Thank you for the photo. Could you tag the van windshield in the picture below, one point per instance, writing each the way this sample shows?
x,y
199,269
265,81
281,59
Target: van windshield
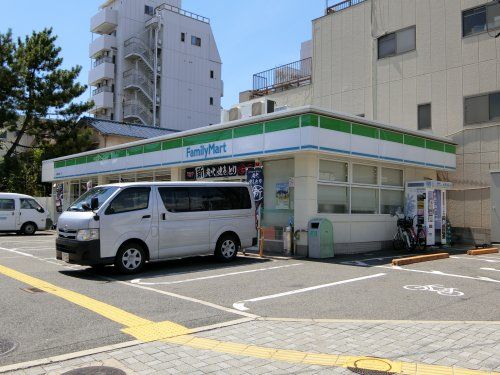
x,y
101,192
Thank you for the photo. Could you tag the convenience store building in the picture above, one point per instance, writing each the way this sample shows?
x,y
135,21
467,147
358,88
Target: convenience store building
x,y
315,162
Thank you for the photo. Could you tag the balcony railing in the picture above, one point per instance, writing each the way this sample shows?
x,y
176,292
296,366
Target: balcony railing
x,y
135,46
182,12
341,5
135,109
134,78
102,89
102,60
295,74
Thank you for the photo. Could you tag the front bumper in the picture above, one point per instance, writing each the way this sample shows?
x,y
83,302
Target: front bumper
x,y
85,253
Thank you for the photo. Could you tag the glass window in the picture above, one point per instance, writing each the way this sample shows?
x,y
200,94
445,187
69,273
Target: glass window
x,y
333,171
391,201
333,199
364,174
473,21
424,117
30,204
175,199
131,199
476,109
101,192
195,41
392,177
364,201
183,37
211,100
211,74
405,40
198,199
387,45
495,105
229,198
7,205
149,10
493,16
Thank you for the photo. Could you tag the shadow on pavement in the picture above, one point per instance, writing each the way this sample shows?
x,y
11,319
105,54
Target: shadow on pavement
x,y
166,268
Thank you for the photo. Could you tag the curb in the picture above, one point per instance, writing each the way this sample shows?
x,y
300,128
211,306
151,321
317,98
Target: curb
x,y
489,250
419,258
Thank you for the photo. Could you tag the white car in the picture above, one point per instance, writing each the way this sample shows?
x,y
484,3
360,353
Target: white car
x,y
22,213
128,224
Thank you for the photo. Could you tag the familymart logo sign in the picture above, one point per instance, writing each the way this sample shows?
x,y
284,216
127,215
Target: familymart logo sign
x,y
207,151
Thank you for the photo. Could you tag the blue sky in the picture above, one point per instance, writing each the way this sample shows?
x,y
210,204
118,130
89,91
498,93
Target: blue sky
x,y
251,35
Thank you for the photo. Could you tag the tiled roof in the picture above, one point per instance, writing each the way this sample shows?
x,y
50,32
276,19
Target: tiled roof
x,y
108,127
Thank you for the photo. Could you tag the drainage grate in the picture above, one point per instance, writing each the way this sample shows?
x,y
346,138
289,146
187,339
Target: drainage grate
x,y
33,290
96,370
371,366
6,346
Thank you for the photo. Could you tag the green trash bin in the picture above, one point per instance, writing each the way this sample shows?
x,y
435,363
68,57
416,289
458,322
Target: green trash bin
x,y
320,238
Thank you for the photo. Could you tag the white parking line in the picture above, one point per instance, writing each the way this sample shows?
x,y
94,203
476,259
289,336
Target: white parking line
x,y
138,281
490,269
489,260
480,278
241,304
46,260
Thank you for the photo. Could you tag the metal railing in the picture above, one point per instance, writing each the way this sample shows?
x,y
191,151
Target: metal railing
x,y
136,109
341,5
297,73
135,46
182,12
134,78
102,60
101,89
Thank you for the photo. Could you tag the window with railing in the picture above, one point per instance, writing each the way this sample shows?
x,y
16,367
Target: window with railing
x,y
283,77
102,60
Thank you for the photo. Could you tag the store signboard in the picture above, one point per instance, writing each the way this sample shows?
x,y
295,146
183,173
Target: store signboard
x,y
217,171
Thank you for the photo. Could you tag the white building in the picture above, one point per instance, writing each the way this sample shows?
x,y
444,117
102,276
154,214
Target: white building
x,y
430,65
154,63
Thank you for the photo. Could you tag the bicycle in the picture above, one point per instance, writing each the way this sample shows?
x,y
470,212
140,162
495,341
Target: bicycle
x,y
406,238
439,289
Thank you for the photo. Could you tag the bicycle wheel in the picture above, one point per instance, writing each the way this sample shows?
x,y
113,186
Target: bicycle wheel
x,y
407,241
451,293
398,242
416,287
421,243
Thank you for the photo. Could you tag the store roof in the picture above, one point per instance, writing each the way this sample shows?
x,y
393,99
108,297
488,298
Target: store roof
x,y
124,129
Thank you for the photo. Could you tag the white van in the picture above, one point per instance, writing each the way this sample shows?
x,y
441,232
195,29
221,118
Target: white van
x,y
127,224
22,213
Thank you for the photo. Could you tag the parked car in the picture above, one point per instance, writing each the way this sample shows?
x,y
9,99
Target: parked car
x,y
128,224
23,214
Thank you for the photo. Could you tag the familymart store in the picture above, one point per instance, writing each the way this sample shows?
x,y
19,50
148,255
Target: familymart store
x,y
305,163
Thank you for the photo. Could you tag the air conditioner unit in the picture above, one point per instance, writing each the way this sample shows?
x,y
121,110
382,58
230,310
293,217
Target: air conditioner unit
x,y
234,114
263,107
280,108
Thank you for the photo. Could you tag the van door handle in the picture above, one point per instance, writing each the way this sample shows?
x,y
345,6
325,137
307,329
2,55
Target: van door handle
x,y
163,216
146,217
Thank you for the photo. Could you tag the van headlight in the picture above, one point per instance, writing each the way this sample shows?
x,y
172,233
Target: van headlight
x,y
87,234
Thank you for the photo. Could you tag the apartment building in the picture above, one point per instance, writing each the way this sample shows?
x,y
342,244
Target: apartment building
x,y
155,64
429,65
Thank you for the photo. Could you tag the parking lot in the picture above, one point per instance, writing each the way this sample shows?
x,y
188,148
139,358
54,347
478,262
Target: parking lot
x,y
201,292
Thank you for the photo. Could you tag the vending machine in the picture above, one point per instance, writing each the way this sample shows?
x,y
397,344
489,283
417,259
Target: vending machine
x,y
425,201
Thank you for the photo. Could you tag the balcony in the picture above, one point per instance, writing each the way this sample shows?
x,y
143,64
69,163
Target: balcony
x,y
103,43
102,97
104,22
337,7
103,69
285,77
134,79
134,110
136,48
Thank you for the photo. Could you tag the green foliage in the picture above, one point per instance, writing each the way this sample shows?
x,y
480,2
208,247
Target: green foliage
x,y
34,87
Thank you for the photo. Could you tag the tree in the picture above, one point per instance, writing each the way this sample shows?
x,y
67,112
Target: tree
x,y
43,88
8,81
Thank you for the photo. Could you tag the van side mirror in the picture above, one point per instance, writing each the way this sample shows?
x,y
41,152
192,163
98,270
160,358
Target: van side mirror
x,y
41,210
94,203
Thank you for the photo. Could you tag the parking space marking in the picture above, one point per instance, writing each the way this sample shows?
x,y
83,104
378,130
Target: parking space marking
x,y
46,260
490,269
439,289
489,260
480,278
138,281
240,305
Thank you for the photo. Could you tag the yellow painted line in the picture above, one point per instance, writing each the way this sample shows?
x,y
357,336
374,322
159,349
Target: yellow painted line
x,y
172,333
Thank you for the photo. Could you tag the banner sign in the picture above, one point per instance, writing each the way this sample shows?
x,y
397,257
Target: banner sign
x,y
255,177
219,170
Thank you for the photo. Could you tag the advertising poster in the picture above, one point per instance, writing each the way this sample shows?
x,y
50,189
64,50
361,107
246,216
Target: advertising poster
x,y
282,196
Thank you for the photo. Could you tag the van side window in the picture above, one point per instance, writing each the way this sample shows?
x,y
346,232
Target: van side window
x,y
229,198
7,205
131,199
175,199
198,199
27,203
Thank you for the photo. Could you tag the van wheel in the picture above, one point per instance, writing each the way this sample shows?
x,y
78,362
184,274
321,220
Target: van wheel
x,y
130,258
28,229
227,247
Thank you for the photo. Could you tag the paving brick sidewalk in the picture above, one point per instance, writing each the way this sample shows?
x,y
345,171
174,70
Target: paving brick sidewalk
x,y
474,346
